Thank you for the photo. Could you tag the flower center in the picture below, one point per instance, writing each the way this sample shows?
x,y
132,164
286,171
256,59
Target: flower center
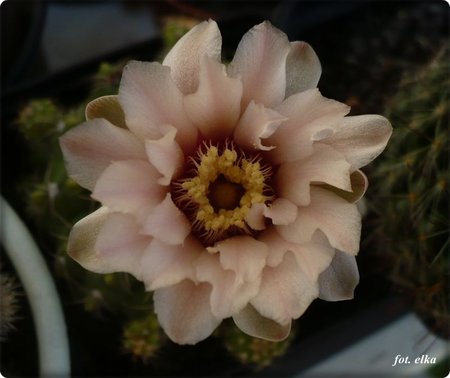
x,y
224,194
222,187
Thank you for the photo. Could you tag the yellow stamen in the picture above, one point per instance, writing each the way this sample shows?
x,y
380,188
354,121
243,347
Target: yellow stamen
x,y
224,189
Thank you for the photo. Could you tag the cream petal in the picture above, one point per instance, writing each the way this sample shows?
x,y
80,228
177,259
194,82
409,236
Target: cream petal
x,y
166,156
151,102
184,58
165,265
339,281
339,220
260,62
285,292
167,223
254,324
129,186
361,138
184,312
107,107
215,107
311,117
120,246
303,68
359,185
230,293
90,147
257,123
325,165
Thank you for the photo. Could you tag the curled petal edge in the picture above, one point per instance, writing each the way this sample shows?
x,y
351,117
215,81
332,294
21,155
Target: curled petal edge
x,y
107,107
359,185
82,240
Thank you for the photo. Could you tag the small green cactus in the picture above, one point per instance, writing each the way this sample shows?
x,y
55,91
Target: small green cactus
x,y
143,337
412,192
39,119
252,351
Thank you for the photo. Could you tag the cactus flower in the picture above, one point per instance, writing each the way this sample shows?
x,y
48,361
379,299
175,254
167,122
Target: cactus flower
x,y
228,190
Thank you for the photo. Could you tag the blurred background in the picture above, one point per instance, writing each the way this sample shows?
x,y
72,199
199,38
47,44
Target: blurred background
x,y
389,58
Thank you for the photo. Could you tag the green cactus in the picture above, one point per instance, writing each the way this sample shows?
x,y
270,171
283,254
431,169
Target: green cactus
x,y
252,351
412,192
143,337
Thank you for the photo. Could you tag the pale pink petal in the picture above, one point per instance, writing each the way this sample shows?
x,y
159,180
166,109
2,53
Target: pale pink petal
x,y
254,324
82,238
184,312
281,211
311,117
151,102
242,254
255,217
106,242
129,186
313,256
339,220
257,123
359,184
90,147
165,265
166,156
120,246
285,292
339,281
303,68
107,107
324,166
230,293
184,58
234,272
167,223
215,107
277,246
260,61
361,138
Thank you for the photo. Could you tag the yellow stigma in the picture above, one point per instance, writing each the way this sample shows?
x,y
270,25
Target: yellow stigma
x,y
224,189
